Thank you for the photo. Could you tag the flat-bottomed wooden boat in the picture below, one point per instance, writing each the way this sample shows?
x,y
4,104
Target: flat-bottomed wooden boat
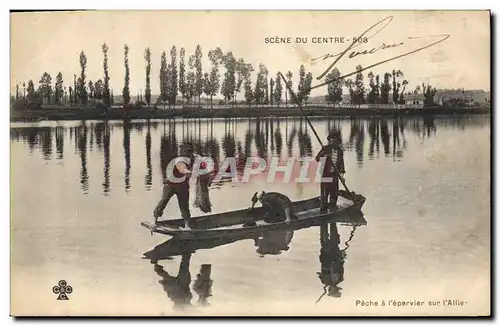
x,y
307,214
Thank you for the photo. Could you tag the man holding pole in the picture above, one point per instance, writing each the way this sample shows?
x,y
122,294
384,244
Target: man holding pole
x,y
333,153
333,169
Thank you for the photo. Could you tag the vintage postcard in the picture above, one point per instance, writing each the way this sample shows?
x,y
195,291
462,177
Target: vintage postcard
x,y
250,163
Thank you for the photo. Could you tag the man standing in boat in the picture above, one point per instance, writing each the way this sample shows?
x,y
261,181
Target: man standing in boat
x,y
177,183
332,170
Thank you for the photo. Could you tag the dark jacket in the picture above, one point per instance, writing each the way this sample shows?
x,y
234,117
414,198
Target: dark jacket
x,y
274,204
332,154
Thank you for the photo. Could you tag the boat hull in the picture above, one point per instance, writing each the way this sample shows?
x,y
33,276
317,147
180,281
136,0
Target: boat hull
x,y
231,223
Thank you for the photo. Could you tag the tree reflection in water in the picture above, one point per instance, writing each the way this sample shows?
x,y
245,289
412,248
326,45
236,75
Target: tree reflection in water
x,y
127,126
148,179
265,135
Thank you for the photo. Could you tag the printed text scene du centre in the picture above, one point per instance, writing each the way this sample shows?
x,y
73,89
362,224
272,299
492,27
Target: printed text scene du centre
x,y
313,39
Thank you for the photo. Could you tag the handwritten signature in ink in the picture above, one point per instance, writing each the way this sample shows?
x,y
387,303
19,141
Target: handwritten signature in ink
x,y
372,31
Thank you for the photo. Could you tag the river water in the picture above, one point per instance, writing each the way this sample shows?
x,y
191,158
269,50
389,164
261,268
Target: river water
x,y
81,189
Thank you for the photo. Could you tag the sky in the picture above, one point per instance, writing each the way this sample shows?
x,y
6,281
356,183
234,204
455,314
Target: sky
x,y
52,41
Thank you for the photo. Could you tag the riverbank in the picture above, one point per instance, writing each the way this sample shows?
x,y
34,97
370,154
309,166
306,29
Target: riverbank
x,y
90,113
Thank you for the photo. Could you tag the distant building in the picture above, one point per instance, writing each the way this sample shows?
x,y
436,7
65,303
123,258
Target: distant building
x,y
391,99
414,100
346,99
456,99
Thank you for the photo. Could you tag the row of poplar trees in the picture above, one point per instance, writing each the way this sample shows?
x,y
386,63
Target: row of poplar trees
x,y
188,79
81,91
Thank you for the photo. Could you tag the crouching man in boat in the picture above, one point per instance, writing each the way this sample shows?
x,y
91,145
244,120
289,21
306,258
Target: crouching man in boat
x,y
173,186
332,170
277,207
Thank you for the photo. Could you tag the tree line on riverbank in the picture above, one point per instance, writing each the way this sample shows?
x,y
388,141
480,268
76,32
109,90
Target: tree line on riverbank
x,y
227,75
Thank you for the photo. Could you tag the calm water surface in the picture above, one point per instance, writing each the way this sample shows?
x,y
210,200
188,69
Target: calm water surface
x,y
81,189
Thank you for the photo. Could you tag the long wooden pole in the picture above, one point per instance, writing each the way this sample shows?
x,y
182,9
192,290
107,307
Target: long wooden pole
x,y
292,93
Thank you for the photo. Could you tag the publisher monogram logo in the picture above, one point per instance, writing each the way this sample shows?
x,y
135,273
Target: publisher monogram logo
x,y
62,289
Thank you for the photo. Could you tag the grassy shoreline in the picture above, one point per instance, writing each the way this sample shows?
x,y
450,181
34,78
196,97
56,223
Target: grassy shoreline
x,y
90,113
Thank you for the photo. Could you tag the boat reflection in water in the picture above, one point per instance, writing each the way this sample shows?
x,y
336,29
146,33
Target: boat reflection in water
x,y
273,242
178,288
